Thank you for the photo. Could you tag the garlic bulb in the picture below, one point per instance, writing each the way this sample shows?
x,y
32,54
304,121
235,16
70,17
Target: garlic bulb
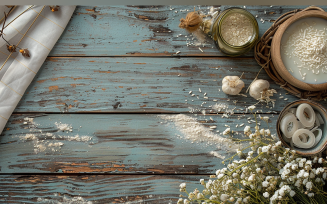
x,y
258,88
232,85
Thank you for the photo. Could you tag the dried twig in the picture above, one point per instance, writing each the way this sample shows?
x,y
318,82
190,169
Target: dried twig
x,y
26,54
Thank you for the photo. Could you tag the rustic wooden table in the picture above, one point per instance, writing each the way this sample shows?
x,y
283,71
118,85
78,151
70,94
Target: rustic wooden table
x,y
110,77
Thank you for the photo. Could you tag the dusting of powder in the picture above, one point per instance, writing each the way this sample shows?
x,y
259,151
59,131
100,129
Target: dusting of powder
x,y
196,132
64,127
42,141
64,200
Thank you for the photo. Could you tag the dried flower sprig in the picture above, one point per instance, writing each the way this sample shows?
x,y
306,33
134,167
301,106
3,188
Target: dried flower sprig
x,y
25,52
11,47
269,173
54,8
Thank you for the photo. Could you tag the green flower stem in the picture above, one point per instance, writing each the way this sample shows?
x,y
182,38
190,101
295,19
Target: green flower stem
x,y
273,166
245,164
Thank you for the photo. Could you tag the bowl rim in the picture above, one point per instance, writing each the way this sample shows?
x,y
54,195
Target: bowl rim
x,y
278,131
276,54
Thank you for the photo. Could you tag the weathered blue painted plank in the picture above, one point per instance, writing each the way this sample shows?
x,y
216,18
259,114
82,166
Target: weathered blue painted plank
x,y
89,189
114,143
139,85
142,31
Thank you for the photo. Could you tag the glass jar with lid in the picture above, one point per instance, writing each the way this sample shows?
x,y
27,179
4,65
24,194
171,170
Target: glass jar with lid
x,y
235,31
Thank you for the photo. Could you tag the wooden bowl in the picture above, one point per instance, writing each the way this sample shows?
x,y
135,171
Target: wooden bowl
x,y
276,55
322,143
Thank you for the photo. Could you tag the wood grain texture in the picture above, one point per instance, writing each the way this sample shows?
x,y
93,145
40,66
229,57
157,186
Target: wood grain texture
x,y
142,31
139,85
114,143
111,65
89,189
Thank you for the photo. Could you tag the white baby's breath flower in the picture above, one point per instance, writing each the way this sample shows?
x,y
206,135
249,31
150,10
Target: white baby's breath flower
x,y
292,193
213,197
200,196
247,130
306,175
186,201
202,181
267,132
265,148
182,185
251,178
294,166
266,195
265,118
223,197
265,184
311,194
262,132
308,185
251,108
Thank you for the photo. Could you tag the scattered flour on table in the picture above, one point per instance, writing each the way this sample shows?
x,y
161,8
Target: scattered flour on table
x,y
64,127
64,200
41,141
196,132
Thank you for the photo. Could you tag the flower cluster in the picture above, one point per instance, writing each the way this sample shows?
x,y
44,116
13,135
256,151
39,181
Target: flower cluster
x,y
268,173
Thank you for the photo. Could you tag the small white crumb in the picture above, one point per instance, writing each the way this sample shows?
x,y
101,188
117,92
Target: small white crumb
x,y
178,52
200,90
190,92
200,49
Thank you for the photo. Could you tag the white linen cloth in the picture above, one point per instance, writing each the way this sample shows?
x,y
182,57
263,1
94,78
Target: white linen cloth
x,y
19,71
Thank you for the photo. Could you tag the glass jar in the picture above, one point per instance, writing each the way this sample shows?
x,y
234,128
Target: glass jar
x,y
235,31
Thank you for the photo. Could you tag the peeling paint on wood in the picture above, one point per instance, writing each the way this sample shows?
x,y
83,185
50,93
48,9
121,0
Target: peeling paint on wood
x,y
151,84
150,189
119,26
118,143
